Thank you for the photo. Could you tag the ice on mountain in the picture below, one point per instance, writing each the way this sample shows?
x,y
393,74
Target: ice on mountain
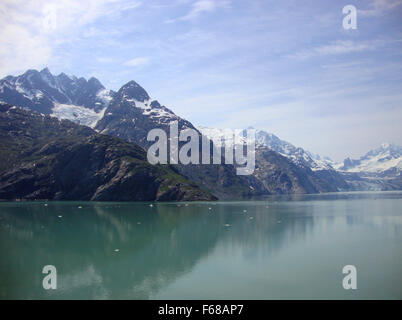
x,y
78,114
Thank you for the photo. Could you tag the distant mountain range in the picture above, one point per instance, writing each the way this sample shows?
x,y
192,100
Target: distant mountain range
x,y
379,169
130,113
297,155
386,157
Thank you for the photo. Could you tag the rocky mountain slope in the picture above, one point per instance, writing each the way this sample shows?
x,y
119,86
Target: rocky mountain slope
x,y
132,114
42,157
283,168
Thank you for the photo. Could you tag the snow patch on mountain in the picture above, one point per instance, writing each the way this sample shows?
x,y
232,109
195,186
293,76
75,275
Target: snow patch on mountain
x,y
139,104
48,78
298,156
77,114
152,109
105,96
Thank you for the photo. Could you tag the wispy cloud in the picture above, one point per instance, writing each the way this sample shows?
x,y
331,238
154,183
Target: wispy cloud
x,y
336,47
200,7
30,29
379,7
136,62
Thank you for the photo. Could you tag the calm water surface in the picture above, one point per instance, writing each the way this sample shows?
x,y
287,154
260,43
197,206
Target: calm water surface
x,y
276,248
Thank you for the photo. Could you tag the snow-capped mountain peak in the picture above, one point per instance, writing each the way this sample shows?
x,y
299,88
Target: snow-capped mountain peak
x,y
378,160
133,96
62,96
132,90
80,100
298,156
386,149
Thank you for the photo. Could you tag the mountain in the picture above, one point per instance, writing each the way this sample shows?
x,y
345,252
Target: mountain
x,y
283,168
83,101
42,157
386,157
378,169
130,113
298,156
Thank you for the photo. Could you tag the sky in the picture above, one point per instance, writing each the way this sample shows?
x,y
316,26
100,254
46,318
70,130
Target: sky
x,y
288,67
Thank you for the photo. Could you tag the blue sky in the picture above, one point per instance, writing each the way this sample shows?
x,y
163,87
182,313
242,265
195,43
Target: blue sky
x,y
285,66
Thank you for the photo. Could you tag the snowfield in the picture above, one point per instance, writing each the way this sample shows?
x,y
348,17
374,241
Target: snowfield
x,y
298,156
77,114
376,161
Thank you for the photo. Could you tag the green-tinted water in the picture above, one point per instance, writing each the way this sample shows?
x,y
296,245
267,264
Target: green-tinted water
x,y
289,247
